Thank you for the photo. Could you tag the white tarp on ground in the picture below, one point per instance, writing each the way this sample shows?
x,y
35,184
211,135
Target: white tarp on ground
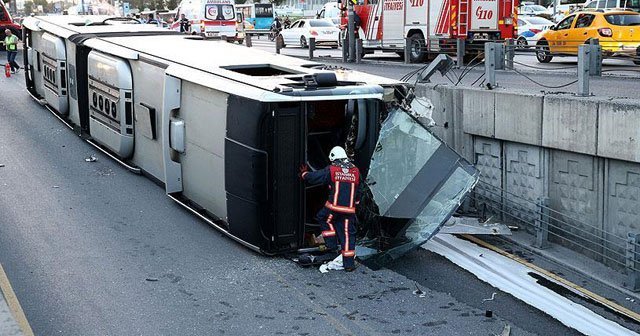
x,y
513,278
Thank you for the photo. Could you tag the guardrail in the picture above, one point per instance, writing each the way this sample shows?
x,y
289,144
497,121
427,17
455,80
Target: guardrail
x,y
549,224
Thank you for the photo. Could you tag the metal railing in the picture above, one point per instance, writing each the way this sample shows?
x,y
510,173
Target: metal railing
x,y
551,225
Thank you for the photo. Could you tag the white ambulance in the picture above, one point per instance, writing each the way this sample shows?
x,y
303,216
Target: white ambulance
x,y
209,18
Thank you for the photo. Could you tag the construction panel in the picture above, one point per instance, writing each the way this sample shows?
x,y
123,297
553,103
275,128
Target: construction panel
x,y
575,191
525,177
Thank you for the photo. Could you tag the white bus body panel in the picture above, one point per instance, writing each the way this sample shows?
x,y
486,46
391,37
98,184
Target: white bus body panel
x,y
147,108
110,100
204,112
54,72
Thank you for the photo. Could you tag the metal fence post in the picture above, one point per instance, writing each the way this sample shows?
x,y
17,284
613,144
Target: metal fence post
x,y
510,52
542,224
584,53
460,51
595,64
278,44
312,47
247,40
358,50
407,50
345,50
633,276
490,64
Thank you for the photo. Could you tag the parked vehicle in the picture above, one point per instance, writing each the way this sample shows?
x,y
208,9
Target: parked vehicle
x,y
209,18
259,14
529,27
613,5
431,26
618,33
534,10
223,132
565,8
324,31
6,22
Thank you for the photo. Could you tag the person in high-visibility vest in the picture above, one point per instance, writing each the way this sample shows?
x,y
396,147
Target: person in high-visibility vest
x,y
11,45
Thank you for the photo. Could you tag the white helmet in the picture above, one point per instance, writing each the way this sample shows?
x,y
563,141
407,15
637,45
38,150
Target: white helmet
x,y
337,153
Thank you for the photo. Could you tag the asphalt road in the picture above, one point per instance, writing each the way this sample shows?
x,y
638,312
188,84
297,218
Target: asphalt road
x,y
92,249
620,76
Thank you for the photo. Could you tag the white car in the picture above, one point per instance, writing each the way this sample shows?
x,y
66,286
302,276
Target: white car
x,y
532,10
323,30
529,27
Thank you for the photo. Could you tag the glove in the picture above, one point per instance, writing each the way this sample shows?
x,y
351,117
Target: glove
x,y
303,169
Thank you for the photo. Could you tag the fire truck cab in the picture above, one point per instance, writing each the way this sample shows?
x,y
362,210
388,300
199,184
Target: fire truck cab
x,y
433,26
6,22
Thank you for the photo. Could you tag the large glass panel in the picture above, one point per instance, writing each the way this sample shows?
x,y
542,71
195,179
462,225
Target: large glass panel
x,y
416,183
403,148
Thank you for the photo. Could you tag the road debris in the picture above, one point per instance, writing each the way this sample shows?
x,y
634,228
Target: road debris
x,y
1,165
151,279
488,313
506,331
333,265
419,291
493,296
630,299
91,158
56,187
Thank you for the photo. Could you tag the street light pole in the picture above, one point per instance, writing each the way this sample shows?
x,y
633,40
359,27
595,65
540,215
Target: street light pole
x,y
351,32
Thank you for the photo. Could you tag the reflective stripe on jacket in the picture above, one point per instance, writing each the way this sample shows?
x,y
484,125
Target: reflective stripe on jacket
x,y
11,43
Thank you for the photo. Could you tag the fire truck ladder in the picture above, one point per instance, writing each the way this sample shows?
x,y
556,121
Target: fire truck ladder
x,y
463,19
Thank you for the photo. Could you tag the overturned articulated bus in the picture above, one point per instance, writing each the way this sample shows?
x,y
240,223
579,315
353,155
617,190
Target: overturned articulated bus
x,y
224,129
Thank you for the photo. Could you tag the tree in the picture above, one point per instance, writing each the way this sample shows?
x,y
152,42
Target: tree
x,y
171,4
28,7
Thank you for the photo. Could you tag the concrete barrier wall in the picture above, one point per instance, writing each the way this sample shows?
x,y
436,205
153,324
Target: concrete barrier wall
x,y
582,154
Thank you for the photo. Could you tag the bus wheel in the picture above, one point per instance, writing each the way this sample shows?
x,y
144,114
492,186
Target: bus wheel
x,y
417,48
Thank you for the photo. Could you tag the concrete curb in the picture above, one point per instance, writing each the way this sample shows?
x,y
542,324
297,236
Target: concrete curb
x,y
8,324
13,322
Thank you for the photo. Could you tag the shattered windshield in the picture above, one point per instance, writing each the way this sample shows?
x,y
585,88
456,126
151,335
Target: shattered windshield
x,y
416,183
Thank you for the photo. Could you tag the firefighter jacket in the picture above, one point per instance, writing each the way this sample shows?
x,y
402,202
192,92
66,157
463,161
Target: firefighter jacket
x,y
343,179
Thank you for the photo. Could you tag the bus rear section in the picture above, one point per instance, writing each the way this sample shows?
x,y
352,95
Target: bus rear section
x,y
219,19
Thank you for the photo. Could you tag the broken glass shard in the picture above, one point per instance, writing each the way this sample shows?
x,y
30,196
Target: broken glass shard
x,y
416,183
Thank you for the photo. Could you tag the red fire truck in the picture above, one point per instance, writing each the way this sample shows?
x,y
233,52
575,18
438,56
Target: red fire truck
x,y
433,25
6,22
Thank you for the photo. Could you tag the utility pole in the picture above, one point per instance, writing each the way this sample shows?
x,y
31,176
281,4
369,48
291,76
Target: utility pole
x,y
351,31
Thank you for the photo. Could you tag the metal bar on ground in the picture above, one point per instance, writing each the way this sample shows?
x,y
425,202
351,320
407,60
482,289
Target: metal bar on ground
x,y
633,276
312,47
460,52
510,52
541,225
595,61
584,52
345,50
407,50
490,64
351,30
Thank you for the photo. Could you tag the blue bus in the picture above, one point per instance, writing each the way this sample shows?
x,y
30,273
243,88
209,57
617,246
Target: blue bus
x,y
260,15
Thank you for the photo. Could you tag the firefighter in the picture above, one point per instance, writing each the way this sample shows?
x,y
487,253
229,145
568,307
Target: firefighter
x,y
338,216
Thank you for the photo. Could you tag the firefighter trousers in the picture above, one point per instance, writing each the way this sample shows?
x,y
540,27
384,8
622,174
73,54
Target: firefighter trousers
x,y
337,227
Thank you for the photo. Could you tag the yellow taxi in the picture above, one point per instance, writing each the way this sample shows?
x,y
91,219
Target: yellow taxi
x,y
617,31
